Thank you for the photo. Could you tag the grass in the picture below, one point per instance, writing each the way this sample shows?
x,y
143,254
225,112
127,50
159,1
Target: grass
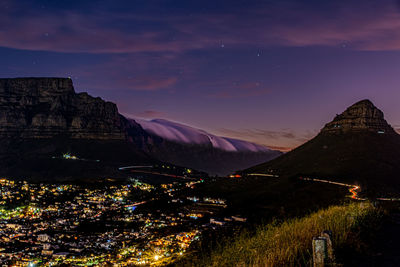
x,y
290,243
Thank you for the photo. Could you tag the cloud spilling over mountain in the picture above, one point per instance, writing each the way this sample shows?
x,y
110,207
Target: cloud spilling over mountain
x,y
180,133
42,118
187,146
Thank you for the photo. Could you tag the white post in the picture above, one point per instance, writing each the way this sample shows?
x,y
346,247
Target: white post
x,y
329,246
319,251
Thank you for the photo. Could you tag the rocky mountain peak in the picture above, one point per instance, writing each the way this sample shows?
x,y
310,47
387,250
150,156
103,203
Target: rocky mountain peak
x,y
361,116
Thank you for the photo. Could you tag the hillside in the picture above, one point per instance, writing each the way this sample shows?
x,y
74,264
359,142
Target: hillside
x,y
358,147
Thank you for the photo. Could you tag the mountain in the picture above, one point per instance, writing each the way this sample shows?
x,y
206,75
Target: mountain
x,y
357,147
43,118
46,107
187,146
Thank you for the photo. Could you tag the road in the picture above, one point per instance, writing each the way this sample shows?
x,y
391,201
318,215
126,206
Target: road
x,y
163,174
353,189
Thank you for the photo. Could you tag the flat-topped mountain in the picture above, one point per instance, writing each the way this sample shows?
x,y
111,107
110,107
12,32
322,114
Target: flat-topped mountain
x,y
47,107
43,118
358,147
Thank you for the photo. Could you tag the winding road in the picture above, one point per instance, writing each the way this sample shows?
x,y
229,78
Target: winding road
x,y
353,189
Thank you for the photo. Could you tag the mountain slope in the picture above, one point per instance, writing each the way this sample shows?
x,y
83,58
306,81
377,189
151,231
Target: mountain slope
x,y
184,145
42,118
358,146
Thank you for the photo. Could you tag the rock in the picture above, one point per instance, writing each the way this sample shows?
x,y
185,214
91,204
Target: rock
x,y
48,107
362,116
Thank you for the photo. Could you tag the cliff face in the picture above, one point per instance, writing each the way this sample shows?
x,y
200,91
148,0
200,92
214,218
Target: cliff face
x,y
362,116
43,118
49,107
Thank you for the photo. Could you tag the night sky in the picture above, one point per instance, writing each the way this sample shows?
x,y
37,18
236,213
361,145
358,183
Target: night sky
x,y
272,72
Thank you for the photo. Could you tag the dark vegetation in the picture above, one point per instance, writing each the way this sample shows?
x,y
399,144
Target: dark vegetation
x,y
364,158
41,159
261,198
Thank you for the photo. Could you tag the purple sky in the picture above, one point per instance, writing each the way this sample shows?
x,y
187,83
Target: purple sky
x,y
272,72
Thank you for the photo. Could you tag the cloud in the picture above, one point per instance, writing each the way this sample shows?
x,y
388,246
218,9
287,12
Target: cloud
x,y
72,32
151,83
358,25
363,27
149,114
284,140
260,133
237,90
135,72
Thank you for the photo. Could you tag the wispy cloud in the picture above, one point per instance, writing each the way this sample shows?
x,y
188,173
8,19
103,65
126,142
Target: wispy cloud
x,y
149,114
135,72
396,127
151,83
284,140
238,89
358,25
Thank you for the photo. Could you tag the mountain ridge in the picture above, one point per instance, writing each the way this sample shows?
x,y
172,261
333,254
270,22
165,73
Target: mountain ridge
x,y
43,118
364,150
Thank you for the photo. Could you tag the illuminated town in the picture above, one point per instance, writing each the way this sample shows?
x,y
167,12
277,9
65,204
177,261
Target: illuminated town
x,y
107,223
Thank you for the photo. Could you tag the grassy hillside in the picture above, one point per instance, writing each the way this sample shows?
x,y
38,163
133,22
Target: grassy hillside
x,y
290,243
262,199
